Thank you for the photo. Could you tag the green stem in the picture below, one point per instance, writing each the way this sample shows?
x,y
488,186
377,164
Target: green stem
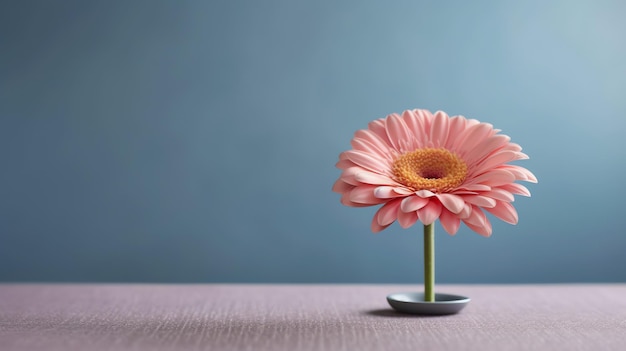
x,y
429,262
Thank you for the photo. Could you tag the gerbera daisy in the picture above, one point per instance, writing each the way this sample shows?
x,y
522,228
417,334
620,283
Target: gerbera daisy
x,y
424,166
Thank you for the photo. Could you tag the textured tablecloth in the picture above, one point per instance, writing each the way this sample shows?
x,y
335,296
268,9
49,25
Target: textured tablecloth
x,y
306,317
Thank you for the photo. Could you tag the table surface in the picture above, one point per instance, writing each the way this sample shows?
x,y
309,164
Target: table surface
x,y
306,317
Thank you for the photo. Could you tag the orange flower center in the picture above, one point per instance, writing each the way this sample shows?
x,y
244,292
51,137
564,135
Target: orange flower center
x,y
437,170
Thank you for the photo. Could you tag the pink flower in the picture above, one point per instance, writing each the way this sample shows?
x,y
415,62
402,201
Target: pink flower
x,y
425,167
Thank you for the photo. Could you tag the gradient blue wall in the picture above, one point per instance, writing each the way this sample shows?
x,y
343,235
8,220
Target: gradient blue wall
x,y
195,141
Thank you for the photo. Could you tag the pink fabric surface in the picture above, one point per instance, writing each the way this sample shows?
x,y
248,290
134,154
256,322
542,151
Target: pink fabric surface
x,y
306,317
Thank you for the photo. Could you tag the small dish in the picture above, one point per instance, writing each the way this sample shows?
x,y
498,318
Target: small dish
x,y
413,303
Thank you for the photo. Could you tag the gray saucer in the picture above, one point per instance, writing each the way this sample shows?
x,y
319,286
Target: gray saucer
x,y
412,302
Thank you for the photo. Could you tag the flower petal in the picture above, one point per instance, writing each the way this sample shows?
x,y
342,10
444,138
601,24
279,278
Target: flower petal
x,y
397,132
466,211
368,177
424,193
342,187
439,128
375,140
505,211
495,160
494,178
377,228
473,135
492,144
367,161
515,188
388,213
499,194
513,147
378,128
453,203
348,175
407,219
520,173
368,147
345,200
476,217
475,187
423,119
449,222
484,230
479,200
364,195
413,203
403,190
344,163
386,192
456,126
478,222
416,127
429,213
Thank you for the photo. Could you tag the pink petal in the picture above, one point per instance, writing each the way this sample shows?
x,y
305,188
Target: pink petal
x,y
494,178
364,195
397,132
449,222
378,128
494,142
477,217
377,228
388,213
463,192
471,122
342,187
505,211
373,139
474,187
386,192
478,222
413,203
429,213
407,219
402,190
439,128
367,161
488,146
484,230
453,203
424,193
500,194
373,178
424,117
517,189
513,147
412,122
522,156
348,175
344,163
368,147
345,200
495,160
466,211
481,201
471,137
520,173
456,125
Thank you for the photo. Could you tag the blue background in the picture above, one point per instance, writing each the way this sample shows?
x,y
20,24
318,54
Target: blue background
x,y
195,141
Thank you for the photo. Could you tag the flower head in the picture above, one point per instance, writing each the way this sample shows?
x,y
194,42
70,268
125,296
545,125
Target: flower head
x,y
424,166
